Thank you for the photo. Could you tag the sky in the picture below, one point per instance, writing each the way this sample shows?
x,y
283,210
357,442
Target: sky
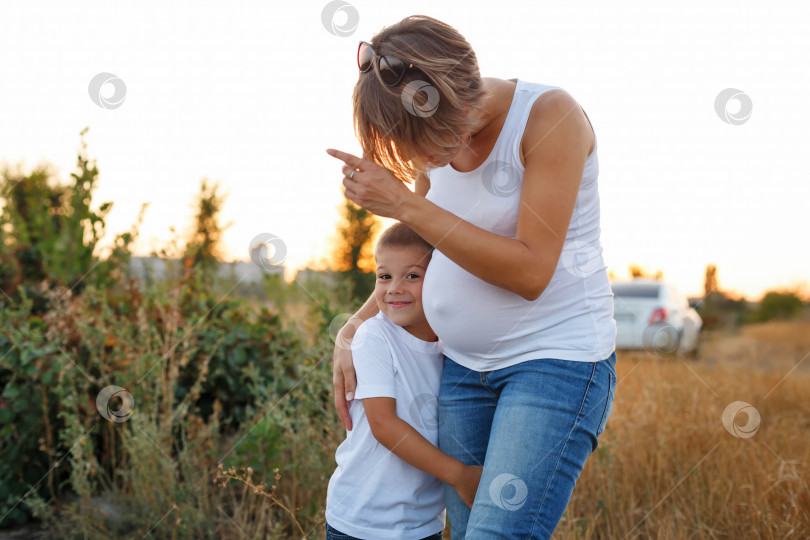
x,y
250,94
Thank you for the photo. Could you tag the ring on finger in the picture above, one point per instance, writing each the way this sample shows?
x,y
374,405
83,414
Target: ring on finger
x,y
351,174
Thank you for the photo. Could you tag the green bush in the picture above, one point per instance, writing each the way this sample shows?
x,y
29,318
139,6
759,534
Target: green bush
x,y
218,380
778,305
261,398
720,311
49,230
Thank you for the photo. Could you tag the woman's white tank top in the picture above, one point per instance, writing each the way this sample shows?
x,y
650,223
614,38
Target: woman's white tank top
x,y
484,327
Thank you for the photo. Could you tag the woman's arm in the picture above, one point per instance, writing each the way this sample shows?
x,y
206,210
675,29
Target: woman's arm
x,y
344,377
410,446
556,144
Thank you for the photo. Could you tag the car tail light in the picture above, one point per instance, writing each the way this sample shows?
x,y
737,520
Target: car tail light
x,y
658,316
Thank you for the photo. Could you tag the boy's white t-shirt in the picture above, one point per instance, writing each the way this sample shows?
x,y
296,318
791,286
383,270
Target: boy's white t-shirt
x,y
373,493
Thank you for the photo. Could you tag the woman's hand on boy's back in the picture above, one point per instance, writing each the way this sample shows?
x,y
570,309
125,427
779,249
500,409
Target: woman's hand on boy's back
x,y
467,483
344,377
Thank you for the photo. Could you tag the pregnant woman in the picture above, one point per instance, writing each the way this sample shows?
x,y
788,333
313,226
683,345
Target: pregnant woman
x,y
505,188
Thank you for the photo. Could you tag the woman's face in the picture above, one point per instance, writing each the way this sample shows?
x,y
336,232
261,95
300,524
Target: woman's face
x,y
445,156
440,160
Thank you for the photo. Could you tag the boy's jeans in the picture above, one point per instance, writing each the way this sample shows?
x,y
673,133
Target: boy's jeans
x,y
532,426
334,534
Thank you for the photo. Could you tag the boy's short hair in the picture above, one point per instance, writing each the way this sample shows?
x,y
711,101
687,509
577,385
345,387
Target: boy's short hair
x,y
400,235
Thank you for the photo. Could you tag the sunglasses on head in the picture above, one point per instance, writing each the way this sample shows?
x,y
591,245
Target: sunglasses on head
x,y
391,68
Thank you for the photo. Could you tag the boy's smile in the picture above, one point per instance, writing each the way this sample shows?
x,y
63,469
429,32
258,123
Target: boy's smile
x,y
398,289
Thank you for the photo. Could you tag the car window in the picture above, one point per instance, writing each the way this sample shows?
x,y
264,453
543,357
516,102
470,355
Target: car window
x,y
677,298
636,290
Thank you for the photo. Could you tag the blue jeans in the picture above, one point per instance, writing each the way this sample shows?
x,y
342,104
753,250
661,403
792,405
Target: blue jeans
x,y
334,534
532,426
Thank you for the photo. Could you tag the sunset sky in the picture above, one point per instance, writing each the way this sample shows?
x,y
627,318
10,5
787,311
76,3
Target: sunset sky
x,y
251,94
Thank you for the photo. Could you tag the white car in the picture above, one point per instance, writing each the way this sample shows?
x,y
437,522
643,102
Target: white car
x,y
653,315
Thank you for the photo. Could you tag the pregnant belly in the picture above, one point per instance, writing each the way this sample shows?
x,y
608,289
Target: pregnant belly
x,y
471,316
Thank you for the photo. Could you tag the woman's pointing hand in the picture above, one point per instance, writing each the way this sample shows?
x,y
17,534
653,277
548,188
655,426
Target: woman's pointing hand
x,y
371,186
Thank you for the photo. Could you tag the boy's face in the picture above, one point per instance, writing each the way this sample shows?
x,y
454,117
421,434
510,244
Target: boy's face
x,y
398,290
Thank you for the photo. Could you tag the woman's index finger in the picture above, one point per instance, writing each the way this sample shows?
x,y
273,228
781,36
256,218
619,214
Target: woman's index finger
x,y
348,159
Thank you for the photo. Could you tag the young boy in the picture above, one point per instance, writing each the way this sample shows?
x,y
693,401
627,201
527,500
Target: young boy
x,y
387,482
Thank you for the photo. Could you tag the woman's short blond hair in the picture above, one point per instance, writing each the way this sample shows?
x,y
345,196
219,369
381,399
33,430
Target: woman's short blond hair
x,y
391,135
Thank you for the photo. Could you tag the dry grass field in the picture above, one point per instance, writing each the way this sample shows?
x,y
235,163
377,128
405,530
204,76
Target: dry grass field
x,y
668,468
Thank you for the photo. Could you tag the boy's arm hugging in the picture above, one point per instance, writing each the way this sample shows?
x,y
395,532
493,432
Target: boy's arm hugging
x,y
411,447
377,391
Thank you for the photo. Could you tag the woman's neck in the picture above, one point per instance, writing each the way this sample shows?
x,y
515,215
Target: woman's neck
x,y
495,103
490,118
